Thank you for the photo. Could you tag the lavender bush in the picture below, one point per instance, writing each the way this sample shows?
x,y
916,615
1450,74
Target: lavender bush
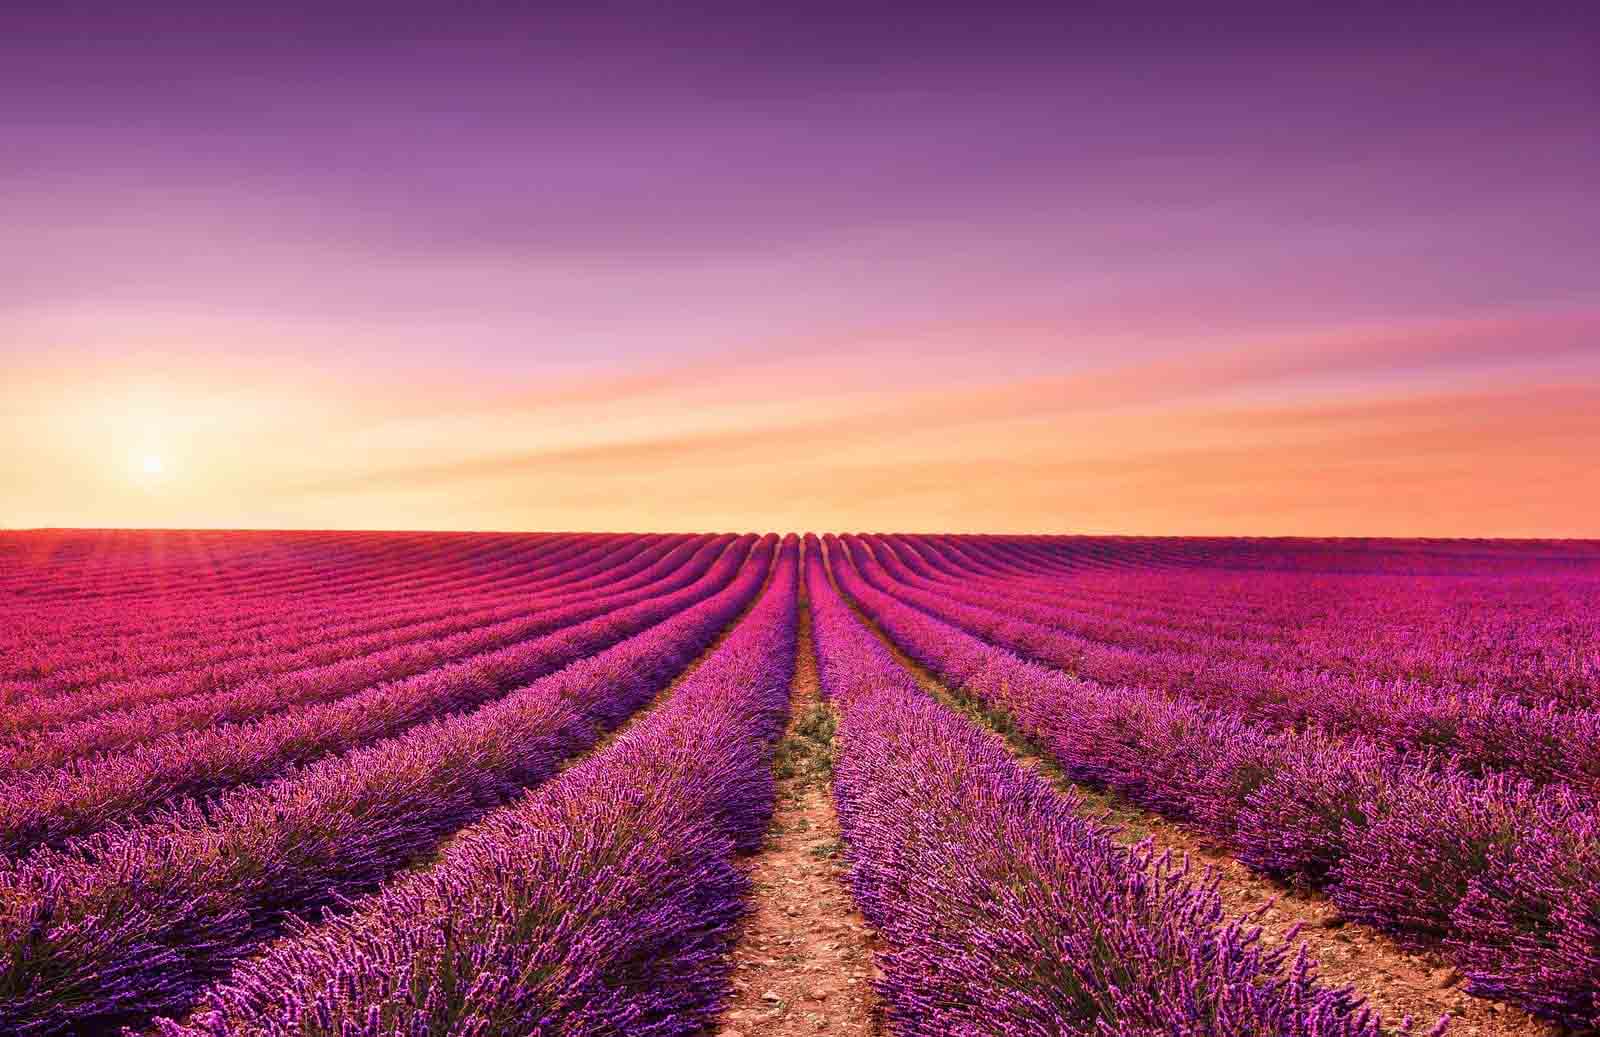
x,y
132,923
1007,912
602,903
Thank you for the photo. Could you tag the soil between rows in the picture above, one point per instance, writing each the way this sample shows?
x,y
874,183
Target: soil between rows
x,y
1395,982
803,960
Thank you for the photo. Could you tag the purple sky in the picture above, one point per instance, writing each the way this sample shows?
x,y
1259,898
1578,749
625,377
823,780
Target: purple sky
x,y
919,199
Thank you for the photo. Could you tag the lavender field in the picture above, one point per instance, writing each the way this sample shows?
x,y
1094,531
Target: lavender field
x,y
319,784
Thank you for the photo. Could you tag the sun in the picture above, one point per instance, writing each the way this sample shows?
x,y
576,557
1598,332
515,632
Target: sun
x,y
152,464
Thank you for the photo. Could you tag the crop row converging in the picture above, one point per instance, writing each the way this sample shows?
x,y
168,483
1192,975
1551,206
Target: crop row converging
x,y
334,784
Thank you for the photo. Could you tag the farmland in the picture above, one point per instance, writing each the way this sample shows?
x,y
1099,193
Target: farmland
x,y
321,784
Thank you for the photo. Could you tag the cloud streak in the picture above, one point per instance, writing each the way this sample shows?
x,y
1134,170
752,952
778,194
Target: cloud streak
x,y
1367,433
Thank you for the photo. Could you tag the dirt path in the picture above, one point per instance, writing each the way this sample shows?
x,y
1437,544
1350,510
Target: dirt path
x,y
803,960
1395,982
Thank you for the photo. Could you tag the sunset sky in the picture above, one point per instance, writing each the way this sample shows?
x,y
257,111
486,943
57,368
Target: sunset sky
x,y
1112,268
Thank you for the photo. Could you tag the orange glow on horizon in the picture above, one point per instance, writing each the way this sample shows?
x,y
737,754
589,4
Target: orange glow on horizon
x,y
1219,442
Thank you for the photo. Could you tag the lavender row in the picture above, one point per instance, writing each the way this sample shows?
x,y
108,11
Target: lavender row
x,y
1005,911
1074,602
1327,612
215,646
55,566
1484,732
87,563
1505,875
81,630
227,643
284,565
1534,637
601,903
300,637
128,924
175,709
1056,609
49,807
247,637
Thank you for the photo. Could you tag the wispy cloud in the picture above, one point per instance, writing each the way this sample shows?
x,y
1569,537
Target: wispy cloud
x,y
1374,432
